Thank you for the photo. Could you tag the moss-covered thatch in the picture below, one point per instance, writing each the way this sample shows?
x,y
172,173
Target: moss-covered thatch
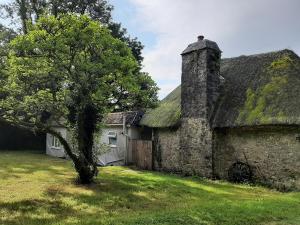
x,y
167,114
259,89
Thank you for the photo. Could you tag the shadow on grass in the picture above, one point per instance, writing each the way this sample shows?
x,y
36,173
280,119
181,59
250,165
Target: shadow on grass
x,y
26,163
124,196
19,171
34,211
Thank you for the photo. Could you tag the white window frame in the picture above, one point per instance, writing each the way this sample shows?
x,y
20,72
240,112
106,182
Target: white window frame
x,y
112,135
55,143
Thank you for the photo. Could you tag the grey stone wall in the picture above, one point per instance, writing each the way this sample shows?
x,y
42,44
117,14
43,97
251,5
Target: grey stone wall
x,y
272,152
200,83
166,150
196,147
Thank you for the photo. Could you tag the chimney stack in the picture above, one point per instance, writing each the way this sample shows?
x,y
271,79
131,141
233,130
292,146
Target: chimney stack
x,y
200,82
200,37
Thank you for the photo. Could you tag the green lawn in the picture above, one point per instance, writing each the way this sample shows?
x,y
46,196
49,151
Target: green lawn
x,y
38,189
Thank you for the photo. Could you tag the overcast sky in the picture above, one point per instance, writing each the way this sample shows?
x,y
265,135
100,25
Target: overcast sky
x,y
240,27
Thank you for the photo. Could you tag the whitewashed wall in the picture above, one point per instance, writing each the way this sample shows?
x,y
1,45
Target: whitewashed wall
x,y
57,152
114,156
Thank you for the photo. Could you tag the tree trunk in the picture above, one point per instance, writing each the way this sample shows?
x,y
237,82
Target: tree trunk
x,y
86,126
84,162
86,169
23,14
54,8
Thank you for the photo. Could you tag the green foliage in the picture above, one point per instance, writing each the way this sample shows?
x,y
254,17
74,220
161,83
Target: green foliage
x,y
167,113
27,12
63,59
6,35
146,97
67,70
36,189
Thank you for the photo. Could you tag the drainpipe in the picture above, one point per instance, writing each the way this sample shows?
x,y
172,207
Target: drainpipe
x,y
126,140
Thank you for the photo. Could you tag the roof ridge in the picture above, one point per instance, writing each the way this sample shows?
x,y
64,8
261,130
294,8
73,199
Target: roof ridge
x,y
263,54
249,97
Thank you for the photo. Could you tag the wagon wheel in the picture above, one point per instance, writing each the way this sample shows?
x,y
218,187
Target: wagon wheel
x,y
240,172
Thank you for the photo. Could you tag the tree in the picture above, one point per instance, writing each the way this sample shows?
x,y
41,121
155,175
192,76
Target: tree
x,y
67,70
6,35
28,11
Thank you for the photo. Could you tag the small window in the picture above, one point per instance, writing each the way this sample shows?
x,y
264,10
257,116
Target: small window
x,y
55,142
112,138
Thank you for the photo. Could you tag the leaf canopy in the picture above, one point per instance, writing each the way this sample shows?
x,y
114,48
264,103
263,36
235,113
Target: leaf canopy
x,y
62,65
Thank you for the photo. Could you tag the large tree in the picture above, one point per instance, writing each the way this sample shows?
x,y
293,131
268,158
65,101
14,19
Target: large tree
x,y
67,70
26,12
6,35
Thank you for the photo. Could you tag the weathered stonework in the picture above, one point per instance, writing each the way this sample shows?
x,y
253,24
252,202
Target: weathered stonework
x,y
246,123
196,147
166,150
273,154
199,91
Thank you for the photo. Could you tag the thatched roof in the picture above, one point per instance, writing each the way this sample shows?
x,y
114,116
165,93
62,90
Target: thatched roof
x,y
259,89
132,118
167,114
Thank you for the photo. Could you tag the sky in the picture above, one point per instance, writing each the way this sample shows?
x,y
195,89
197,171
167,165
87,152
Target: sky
x,y
240,27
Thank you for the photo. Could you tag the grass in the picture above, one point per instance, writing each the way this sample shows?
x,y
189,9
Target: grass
x,y
38,189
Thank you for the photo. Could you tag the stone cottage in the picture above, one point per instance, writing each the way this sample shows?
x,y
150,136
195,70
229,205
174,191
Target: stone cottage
x,y
235,118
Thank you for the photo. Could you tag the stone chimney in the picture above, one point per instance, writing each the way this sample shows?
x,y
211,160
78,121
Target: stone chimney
x,y
200,83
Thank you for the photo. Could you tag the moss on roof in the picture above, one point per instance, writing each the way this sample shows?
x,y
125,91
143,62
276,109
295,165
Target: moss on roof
x,y
266,91
167,114
260,89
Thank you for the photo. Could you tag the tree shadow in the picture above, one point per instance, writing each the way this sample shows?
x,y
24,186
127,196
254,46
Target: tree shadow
x,y
121,191
121,194
34,211
19,168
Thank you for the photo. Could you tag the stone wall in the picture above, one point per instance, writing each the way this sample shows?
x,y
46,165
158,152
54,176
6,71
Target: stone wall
x,y
196,147
273,153
200,82
166,150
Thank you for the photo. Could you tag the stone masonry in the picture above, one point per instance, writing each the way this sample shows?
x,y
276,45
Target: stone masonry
x,y
200,82
166,150
271,152
206,140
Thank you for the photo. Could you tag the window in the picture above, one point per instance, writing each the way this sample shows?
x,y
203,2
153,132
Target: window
x,y
112,138
55,142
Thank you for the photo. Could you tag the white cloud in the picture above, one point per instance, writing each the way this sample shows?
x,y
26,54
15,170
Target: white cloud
x,y
239,27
